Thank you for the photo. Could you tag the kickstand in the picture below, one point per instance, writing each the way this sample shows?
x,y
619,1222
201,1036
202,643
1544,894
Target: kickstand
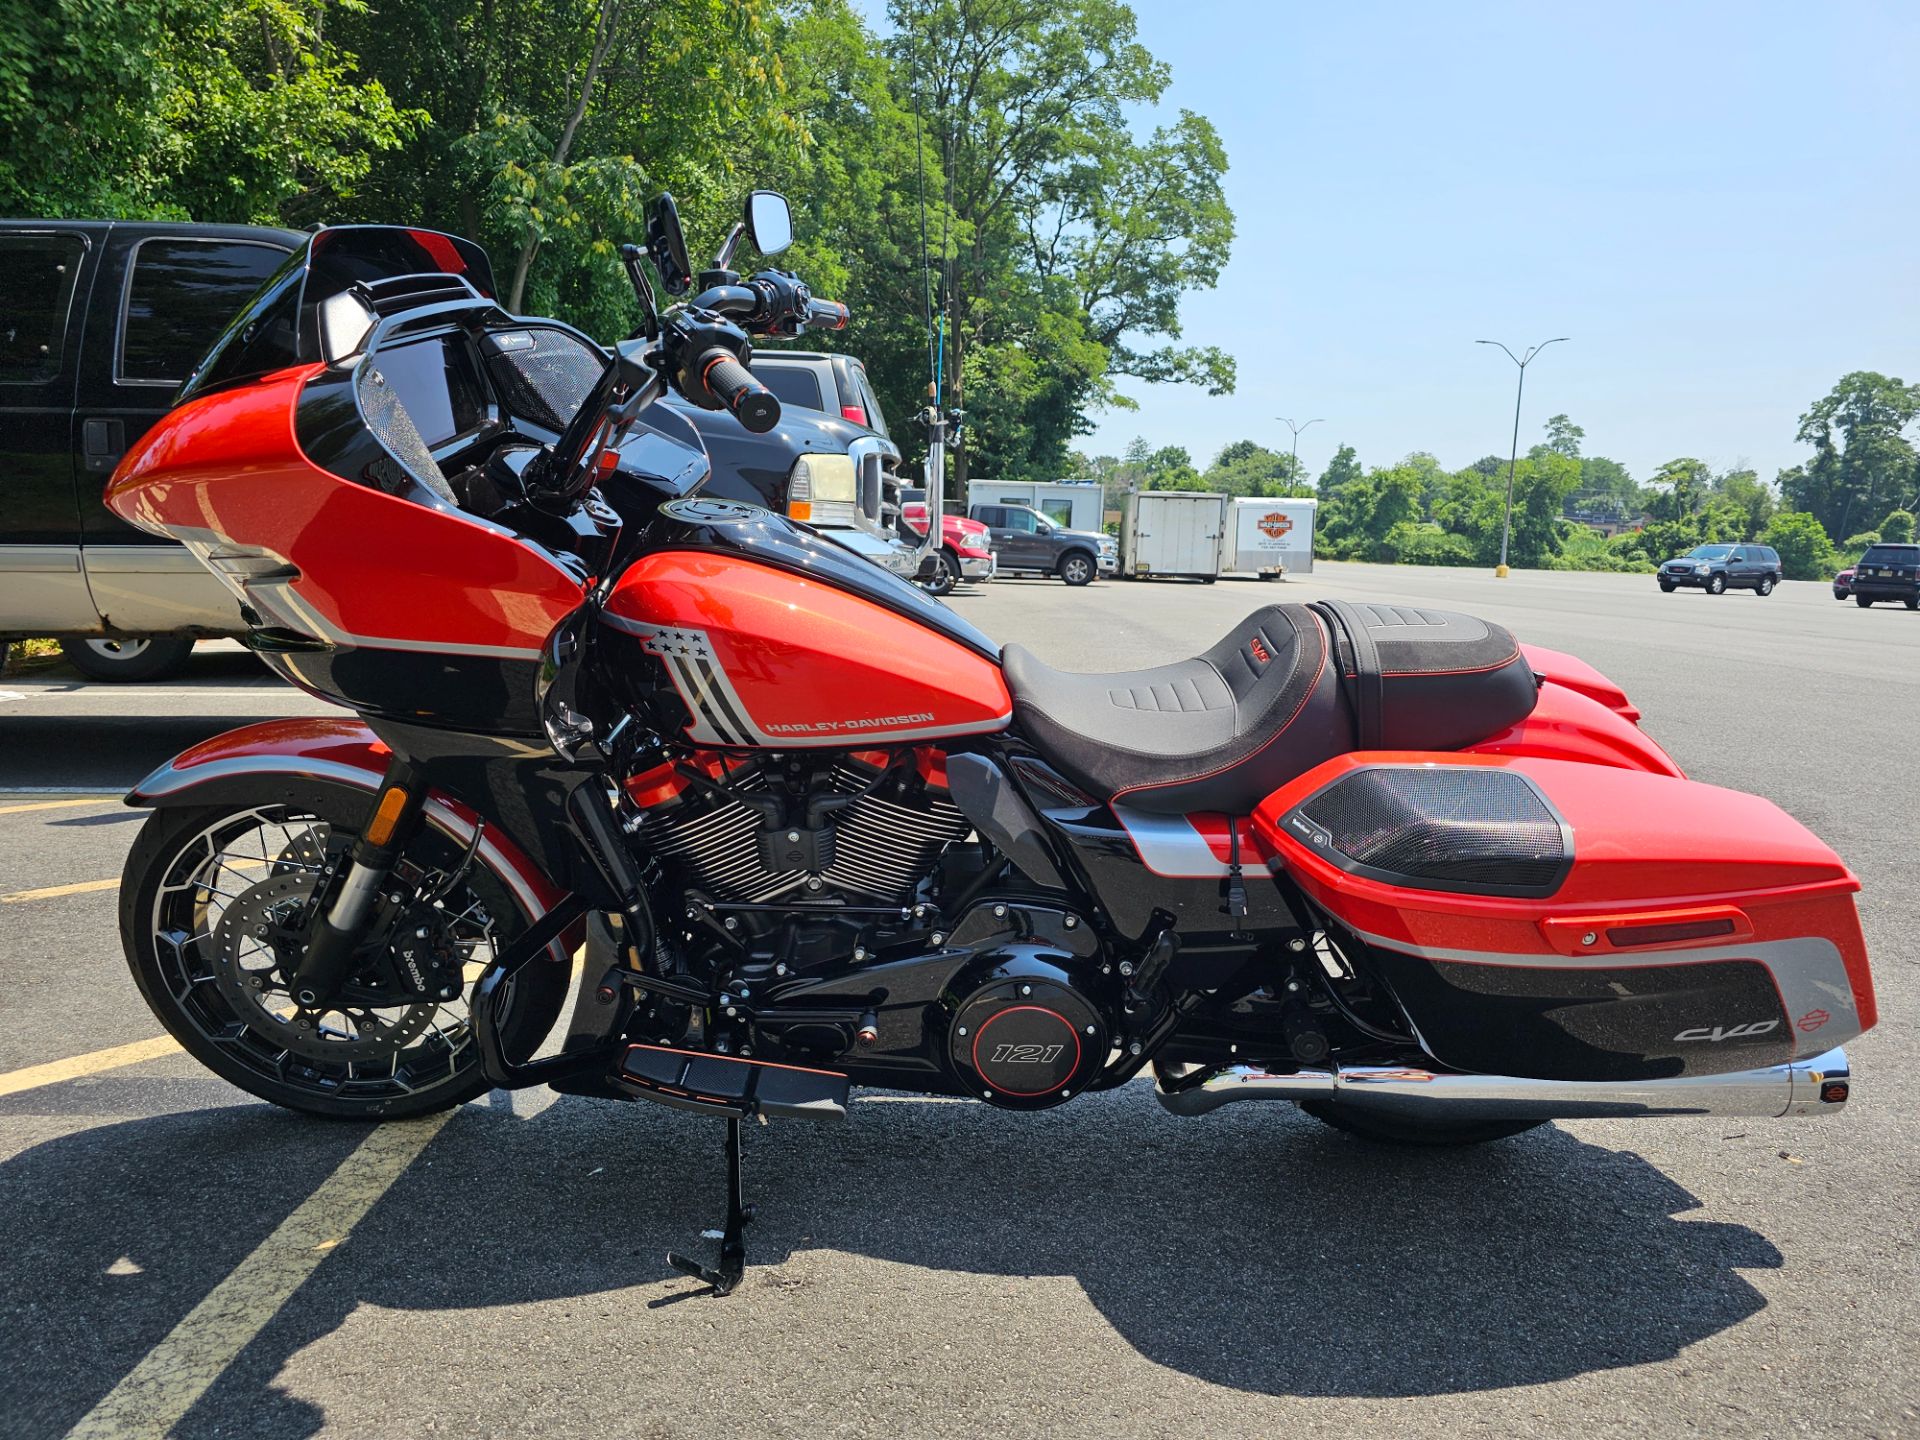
x,y
733,1249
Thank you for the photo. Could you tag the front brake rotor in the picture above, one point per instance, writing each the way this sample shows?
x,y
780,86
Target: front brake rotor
x,y
255,952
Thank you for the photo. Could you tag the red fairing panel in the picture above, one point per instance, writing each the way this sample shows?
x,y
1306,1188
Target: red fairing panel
x,y
224,473
1569,724
763,657
346,752
1651,851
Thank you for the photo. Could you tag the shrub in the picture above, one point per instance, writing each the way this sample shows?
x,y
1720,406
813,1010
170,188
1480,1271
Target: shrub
x,y
1898,527
1412,544
1805,551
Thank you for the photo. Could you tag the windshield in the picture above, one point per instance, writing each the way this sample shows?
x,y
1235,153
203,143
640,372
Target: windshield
x,y
1709,552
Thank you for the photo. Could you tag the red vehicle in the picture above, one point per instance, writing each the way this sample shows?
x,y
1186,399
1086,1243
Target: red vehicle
x,y
1843,584
965,552
1428,883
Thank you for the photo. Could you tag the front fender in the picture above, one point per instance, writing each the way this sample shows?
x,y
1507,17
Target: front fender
x,y
270,761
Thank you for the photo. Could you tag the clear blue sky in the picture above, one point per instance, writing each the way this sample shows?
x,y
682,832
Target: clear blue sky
x,y
1720,203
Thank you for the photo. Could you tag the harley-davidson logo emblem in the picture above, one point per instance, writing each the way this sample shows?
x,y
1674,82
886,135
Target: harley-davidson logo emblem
x,y
1813,1020
1275,525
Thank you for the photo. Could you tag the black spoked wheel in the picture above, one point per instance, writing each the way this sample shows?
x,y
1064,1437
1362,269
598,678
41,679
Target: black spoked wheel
x,y
942,574
1432,1134
213,913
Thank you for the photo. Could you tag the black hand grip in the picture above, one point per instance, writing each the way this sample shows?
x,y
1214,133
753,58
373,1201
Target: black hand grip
x,y
827,314
733,385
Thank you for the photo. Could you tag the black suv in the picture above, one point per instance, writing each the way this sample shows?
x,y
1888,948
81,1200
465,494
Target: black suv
x,y
1888,572
1714,568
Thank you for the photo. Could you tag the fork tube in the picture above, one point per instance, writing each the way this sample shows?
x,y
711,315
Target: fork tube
x,y
337,933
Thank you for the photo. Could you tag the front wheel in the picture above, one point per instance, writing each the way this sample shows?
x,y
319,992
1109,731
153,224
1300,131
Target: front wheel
x,y
1076,569
1665,588
214,914
943,573
1431,1134
1717,585
1765,587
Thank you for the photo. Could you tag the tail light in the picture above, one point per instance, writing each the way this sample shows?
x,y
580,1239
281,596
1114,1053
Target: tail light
x,y
856,413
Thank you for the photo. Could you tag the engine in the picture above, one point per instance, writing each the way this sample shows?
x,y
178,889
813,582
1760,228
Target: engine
x,y
864,828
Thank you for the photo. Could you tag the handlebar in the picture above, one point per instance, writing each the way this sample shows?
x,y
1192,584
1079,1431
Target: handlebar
x,y
826,314
733,385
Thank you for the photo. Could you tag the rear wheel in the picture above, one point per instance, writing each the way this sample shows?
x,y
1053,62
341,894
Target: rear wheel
x,y
1717,585
213,919
1765,587
130,658
1913,602
943,573
1862,601
1433,1134
1076,568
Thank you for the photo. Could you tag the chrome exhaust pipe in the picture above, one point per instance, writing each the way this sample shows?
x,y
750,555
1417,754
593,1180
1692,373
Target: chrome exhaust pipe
x,y
1818,1085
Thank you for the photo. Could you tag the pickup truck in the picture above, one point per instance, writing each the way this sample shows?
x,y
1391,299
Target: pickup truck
x,y
1025,540
100,322
966,547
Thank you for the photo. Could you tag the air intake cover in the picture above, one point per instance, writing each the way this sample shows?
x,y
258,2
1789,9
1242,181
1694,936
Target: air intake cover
x,y
1473,829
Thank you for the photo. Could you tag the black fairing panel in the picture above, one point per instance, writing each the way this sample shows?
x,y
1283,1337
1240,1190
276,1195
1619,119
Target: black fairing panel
x,y
752,533
1575,1023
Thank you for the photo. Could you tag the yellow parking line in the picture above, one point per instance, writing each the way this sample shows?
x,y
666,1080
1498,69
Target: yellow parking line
x,y
59,804
158,1391
51,891
54,1071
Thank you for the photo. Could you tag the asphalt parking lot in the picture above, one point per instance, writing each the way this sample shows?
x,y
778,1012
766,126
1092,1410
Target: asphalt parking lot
x,y
180,1259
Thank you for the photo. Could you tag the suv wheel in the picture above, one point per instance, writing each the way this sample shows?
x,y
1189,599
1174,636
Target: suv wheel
x,y
1862,601
151,657
1717,585
1076,568
942,574
1765,587
1666,587
1913,602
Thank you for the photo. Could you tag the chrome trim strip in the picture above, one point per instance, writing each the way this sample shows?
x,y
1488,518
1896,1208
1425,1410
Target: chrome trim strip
x,y
39,559
1414,1094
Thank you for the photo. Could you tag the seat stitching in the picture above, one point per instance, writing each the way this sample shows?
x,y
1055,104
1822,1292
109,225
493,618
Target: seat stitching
x,y
1261,749
1470,670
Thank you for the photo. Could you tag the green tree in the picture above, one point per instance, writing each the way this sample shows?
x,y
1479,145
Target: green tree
x,y
1342,470
1247,467
1073,238
1806,552
1898,527
1606,490
1171,468
1744,503
1679,489
1355,523
175,109
1863,463
1564,437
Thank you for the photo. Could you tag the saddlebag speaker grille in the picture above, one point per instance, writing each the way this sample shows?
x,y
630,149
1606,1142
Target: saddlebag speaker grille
x,y
1475,829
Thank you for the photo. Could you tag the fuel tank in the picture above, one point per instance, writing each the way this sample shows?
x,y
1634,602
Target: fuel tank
x,y
775,637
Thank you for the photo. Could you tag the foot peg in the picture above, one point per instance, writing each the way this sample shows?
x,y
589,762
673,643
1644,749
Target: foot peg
x,y
728,1086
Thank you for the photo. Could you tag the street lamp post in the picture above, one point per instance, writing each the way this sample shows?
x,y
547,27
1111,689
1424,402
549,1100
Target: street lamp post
x,y
1513,458
1293,469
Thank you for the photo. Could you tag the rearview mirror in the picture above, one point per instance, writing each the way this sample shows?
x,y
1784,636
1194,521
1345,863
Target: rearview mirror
x,y
769,221
667,246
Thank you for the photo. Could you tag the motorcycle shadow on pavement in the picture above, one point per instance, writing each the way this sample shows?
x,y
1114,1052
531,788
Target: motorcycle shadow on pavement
x,y
1252,1248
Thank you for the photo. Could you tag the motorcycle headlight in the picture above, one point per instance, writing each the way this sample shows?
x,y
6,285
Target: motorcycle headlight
x,y
822,481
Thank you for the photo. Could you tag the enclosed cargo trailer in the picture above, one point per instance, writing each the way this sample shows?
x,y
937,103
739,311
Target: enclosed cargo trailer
x,y
1070,504
1270,538
1173,533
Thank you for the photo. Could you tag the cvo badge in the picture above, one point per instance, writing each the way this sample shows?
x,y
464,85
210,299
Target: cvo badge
x,y
1717,1033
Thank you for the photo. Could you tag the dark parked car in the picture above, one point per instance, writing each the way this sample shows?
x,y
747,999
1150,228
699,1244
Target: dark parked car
x,y
1843,584
1026,540
1715,568
100,321
1888,572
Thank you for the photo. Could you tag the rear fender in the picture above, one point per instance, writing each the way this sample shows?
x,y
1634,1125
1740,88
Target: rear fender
x,y
272,760
1568,723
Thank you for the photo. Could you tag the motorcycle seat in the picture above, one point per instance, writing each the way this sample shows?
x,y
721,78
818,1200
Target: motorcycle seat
x,y
1289,687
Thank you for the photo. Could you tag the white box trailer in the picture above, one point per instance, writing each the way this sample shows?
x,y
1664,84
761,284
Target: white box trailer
x,y
1271,537
1173,532
1070,504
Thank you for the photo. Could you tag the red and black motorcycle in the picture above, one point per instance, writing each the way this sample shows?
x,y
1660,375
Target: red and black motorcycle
x,y
1432,885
